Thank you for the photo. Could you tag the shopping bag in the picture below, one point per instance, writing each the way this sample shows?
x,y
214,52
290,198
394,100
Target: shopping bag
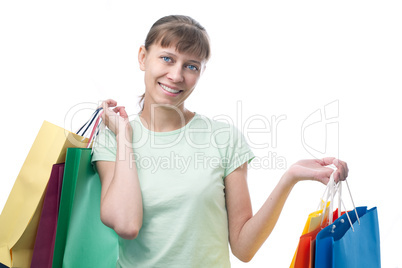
x,y
20,216
351,241
305,253
46,234
314,220
304,256
82,240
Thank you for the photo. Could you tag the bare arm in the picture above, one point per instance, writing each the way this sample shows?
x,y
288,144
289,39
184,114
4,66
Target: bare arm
x,y
247,232
121,199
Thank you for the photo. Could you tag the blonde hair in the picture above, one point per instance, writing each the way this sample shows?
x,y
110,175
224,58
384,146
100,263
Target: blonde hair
x,y
183,31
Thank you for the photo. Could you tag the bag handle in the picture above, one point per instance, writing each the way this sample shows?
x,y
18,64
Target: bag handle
x,y
95,128
95,117
330,190
89,122
333,189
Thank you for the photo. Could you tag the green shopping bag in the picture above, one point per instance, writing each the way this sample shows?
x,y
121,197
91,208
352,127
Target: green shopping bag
x,y
82,240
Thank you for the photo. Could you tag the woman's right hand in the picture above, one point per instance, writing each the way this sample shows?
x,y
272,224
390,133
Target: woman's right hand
x,y
116,119
121,200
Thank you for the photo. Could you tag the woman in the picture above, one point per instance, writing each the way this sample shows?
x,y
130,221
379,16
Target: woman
x,y
174,182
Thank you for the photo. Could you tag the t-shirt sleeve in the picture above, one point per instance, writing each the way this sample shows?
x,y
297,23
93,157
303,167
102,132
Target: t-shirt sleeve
x,y
238,152
104,147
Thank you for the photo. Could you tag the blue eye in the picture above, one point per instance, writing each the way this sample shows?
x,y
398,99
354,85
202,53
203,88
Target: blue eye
x,y
192,67
166,59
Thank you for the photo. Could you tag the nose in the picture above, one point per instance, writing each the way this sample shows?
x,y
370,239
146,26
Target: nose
x,y
175,74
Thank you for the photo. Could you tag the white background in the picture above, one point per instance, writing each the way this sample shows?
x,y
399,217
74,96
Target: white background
x,y
341,60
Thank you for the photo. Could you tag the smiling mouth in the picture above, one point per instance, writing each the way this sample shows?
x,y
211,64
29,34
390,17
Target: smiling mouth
x,y
168,89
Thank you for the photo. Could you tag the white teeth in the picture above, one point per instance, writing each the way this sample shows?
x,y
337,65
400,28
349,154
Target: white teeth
x,y
168,89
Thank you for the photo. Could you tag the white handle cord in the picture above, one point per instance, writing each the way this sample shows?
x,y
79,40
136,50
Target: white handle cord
x,y
354,207
339,200
334,188
330,194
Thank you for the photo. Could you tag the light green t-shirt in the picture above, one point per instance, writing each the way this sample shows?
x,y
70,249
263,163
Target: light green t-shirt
x,y
181,174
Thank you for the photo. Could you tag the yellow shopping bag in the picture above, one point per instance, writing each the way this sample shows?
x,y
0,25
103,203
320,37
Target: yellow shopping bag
x,y
313,221
21,213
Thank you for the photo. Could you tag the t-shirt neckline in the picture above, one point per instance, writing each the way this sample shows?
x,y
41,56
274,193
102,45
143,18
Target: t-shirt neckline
x,y
165,133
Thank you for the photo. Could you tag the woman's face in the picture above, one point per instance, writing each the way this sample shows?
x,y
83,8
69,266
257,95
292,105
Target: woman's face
x,y
170,76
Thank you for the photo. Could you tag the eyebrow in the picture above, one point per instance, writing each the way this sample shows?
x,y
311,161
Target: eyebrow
x,y
172,54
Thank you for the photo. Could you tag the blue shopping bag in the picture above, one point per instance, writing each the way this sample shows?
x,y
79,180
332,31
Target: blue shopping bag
x,y
350,241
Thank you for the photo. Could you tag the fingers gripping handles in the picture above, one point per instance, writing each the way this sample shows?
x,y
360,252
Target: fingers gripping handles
x,y
93,124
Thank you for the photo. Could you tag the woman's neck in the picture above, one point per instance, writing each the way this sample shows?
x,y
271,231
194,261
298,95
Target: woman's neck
x,y
164,119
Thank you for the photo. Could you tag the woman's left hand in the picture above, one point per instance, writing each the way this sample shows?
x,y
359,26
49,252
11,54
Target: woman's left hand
x,y
316,169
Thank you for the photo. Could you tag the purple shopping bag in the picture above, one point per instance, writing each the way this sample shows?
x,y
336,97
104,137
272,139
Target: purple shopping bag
x,y
45,238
